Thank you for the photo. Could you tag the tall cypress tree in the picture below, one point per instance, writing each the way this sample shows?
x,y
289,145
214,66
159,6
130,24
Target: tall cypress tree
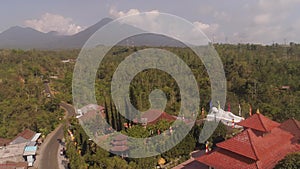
x,y
113,121
117,124
127,113
106,111
132,97
120,121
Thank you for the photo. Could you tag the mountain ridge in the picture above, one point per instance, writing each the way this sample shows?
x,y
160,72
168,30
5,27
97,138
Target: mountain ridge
x,y
18,37
28,38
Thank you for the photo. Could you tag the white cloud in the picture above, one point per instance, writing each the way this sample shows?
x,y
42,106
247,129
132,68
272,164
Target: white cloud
x,y
141,20
271,22
151,21
275,11
277,5
53,22
113,12
211,30
262,19
206,28
201,25
117,14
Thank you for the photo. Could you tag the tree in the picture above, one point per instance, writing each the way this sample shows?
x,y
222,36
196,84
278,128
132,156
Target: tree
x,y
137,131
106,112
132,96
149,162
184,148
291,161
113,120
120,121
127,112
52,105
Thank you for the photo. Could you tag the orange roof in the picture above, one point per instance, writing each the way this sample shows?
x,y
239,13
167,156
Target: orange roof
x,y
120,137
275,146
292,126
259,122
119,143
242,144
4,141
247,150
89,115
225,159
191,164
11,165
27,134
119,148
154,116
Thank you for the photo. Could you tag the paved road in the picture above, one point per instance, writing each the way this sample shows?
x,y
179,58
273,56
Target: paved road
x,y
49,153
69,108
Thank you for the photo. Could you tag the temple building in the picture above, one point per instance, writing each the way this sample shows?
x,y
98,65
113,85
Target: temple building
x,y
261,145
119,145
153,116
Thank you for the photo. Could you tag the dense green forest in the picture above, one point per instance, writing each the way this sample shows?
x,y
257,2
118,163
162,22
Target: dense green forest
x,y
256,75
24,102
265,77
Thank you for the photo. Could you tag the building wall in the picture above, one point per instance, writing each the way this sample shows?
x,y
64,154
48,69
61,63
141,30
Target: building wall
x,y
18,158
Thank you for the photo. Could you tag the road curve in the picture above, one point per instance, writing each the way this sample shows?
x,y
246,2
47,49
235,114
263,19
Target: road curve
x,y
49,153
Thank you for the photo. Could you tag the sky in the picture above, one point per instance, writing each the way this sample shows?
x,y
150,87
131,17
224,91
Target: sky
x,y
230,21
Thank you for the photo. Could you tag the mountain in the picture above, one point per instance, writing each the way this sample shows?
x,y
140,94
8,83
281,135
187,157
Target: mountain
x,y
28,38
24,38
78,40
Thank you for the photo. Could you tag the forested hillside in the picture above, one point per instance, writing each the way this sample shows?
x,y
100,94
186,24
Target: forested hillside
x,y
265,77
24,102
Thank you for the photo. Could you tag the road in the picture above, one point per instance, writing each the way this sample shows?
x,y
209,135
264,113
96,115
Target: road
x,y
49,152
69,108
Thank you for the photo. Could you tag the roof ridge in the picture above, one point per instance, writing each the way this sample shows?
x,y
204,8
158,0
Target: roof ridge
x,y
251,144
261,121
295,121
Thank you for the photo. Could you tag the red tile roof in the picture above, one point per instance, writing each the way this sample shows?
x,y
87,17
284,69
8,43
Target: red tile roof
x,y
154,116
27,134
242,144
20,165
191,164
90,107
274,146
89,115
259,122
223,159
292,126
247,150
4,141
119,148
119,143
120,137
